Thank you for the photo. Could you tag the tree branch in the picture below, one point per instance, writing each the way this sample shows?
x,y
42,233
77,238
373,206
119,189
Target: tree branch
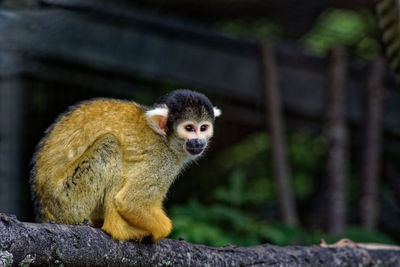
x,y
32,244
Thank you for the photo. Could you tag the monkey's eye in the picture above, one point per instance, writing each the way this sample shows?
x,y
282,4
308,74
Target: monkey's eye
x,y
203,128
189,128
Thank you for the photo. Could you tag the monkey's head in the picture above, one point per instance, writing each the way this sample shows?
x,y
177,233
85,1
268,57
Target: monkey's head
x,y
186,119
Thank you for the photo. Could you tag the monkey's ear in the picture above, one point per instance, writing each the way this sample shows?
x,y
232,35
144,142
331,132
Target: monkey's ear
x,y
217,112
157,119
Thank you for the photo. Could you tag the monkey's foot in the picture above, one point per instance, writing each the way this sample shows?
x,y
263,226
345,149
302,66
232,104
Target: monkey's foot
x,y
164,228
119,229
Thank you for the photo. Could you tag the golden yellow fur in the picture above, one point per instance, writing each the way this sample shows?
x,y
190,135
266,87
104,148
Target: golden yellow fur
x,y
91,166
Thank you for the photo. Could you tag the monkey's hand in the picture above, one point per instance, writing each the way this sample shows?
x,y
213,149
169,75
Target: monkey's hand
x,y
150,217
165,225
120,229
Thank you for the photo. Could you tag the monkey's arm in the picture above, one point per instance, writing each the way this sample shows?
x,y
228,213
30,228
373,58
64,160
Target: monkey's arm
x,y
106,163
141,206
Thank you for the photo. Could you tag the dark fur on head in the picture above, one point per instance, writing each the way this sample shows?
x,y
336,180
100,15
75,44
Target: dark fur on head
x,y
186,104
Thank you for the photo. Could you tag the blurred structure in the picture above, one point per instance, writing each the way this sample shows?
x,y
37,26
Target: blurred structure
x,y
389,21
58,52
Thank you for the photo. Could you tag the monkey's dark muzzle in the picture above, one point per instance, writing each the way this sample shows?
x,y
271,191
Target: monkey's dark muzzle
x,y
195,146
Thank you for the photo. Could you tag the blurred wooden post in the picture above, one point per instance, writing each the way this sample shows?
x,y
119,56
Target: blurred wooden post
x,y
336,133
392,176
11,140
275,125
371,144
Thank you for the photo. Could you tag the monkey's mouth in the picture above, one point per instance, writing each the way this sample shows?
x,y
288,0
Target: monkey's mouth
x,y
194,150
195,146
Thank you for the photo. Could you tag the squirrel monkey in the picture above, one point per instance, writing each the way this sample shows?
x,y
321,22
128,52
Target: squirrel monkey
x,y
111,162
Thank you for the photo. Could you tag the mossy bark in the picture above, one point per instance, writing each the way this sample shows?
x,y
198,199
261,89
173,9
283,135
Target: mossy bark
x,y
32,244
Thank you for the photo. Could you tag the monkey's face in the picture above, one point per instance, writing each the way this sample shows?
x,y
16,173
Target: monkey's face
x,y
195,136
185,118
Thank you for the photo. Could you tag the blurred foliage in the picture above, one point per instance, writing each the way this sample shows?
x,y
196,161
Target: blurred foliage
x,y
261,29
234,216
355,30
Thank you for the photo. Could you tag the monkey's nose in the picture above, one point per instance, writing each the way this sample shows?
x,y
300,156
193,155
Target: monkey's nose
x,y
195,146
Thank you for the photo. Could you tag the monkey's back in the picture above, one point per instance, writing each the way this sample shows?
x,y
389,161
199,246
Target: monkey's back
x,y
73,134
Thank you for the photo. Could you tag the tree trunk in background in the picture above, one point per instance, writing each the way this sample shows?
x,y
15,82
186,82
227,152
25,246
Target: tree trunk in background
x,y
371,140
11,136
336,133
392,176
275,125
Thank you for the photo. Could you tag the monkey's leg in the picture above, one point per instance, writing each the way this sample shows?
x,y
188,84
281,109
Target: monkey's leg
x,y
90,186
145,214
82,192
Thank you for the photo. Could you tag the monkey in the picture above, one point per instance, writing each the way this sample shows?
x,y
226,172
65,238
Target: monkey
x,y
111,162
